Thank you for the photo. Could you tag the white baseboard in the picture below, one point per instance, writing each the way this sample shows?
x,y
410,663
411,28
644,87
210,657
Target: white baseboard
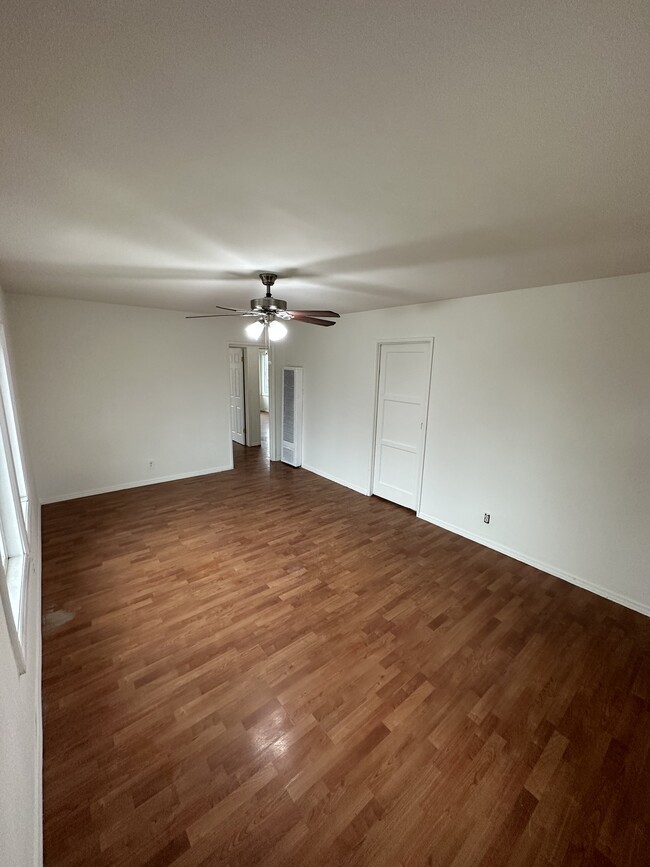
x,y
139,484
338,481
598,589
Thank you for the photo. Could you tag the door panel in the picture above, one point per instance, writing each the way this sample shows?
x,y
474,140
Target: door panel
x,y
402,400
237,406
398,466
401,421
404,373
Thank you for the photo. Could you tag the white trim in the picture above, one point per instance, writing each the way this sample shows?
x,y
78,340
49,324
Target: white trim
x,y
330,478
599,590
125,486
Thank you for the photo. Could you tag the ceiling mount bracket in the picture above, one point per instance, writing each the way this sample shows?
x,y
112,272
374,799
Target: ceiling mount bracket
x,y
268,279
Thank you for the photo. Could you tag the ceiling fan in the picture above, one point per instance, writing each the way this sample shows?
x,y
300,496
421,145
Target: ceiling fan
x,y
269,313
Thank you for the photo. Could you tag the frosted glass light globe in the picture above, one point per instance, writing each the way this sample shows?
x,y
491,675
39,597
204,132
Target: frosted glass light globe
x,y
277,330
254,330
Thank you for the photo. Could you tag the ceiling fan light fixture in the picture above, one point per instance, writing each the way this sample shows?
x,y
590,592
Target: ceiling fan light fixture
x,y
254,330
277,331
268,312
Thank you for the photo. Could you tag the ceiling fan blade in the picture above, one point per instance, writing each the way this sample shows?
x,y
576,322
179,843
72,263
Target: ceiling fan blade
x,y
232,309
212,315
311,321
298,313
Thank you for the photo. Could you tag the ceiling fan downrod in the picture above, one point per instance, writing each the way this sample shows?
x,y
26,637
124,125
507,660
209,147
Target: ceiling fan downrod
x,y
268,279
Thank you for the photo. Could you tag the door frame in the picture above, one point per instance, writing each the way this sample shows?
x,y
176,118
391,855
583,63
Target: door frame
x,y
263,349
245,345
375,415
244,392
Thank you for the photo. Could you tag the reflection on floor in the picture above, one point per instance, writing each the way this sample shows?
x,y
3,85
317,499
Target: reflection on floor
x,y
254,456
264,433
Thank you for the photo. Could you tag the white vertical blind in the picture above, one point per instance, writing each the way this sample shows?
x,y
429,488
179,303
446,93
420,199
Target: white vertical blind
x,y
14,511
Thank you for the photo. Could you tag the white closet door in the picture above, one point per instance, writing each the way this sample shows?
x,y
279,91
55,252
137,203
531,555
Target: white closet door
x,y
237,409
404,377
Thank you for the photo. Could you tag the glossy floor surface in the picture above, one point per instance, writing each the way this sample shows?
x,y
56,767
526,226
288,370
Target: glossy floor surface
x,y
263,667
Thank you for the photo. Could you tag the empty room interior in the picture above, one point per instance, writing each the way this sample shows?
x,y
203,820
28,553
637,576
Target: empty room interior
x,y
324,434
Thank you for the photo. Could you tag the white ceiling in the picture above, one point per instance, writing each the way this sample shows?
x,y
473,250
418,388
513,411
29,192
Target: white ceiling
x,y
379,153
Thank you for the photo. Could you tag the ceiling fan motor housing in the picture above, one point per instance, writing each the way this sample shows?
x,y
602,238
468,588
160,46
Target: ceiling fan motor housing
x,y
268,304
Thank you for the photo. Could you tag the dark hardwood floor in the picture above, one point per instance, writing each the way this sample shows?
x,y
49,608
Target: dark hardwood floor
x,y
262,667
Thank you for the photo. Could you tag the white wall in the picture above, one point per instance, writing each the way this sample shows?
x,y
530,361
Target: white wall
x,y
539,414
20,710
106,388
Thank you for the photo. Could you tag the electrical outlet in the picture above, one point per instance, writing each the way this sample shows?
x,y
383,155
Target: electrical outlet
x,y
486,518
151,465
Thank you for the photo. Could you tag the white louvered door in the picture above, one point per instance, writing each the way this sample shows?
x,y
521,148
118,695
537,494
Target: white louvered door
x,y
291,447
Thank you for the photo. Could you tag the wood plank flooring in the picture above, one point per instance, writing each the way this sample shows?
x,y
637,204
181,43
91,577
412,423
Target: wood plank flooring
x,y
262,667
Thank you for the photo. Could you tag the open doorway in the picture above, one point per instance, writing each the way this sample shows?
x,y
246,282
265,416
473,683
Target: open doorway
x,y
264,398
251,402
237,395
